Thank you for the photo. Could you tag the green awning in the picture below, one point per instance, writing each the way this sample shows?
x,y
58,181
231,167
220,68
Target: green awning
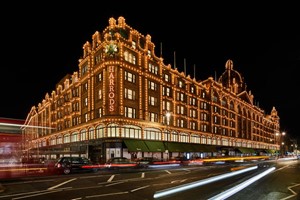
x,y
210,148
175,147
155,146
190,147
199,148
246,150
136,145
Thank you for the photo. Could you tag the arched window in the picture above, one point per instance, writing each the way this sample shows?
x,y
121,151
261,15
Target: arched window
x,y
100,131
91,134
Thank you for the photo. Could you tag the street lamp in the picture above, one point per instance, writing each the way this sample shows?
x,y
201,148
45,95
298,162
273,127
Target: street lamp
x,y
280,141
168,116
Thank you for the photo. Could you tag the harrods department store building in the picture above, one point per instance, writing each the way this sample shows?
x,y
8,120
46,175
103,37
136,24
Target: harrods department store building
x,y
124,101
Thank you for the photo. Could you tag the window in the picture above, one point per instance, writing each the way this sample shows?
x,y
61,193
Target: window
x,y
152,86
216,109
86,101
215,129
216,119
153,68
180,110
203,105
129,77
67,138
75,92
180,84
153,117
183,137
133,45
192,101
167,78
166,105
99,132
129,57
149,53
203,127
231,106
152,135
99,112
99,77
180,96
99,94
91,134
86,117
130,112
215,99
193,125
192,113
223,102
131,132
180,123
129,94
84,69
83,135
166,91
203,116
192,89
97,58
152,101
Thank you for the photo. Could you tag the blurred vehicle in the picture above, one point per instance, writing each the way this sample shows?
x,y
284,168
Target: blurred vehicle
x,y
67,165
144,162
120,162
192,161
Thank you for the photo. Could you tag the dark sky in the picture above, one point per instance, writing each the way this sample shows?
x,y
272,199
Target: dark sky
x,y
42,42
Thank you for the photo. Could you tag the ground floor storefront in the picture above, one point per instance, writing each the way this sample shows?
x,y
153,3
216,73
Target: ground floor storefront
x,y
100,150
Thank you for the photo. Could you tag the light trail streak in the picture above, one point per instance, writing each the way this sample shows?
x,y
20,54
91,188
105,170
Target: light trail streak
x,y
200,183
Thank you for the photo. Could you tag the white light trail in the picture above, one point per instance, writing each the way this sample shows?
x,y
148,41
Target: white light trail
x,y
241,186
200,183
25,126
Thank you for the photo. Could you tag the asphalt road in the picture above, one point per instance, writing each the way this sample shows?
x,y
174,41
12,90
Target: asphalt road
x,y
282,182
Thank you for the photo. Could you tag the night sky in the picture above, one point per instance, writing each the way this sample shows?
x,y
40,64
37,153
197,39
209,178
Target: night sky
x,y
43,42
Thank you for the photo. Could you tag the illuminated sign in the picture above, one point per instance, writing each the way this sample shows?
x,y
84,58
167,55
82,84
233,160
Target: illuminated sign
x,y
111,89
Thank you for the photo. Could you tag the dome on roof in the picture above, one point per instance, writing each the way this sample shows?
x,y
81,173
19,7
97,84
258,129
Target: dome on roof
x,y
232,79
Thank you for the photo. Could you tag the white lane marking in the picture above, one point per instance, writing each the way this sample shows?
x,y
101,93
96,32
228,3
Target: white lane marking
x,y
294,193
111,178
168,171
140,188
114,184
33,195
51,188
109,194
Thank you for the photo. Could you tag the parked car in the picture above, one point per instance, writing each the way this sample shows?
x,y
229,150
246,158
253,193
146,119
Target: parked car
x,y
120,162
67,165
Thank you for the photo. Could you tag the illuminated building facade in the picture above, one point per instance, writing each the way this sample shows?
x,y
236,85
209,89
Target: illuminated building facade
x,y
117,104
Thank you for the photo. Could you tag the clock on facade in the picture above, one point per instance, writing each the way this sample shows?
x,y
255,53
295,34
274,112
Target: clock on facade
x,y
111,49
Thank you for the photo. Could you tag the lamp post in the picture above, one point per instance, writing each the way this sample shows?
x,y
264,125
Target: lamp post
x,y
168,115
282,143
